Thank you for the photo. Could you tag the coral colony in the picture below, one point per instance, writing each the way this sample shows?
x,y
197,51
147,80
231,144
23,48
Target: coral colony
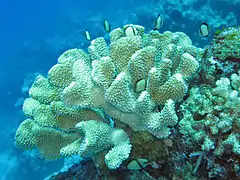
x,y
144,96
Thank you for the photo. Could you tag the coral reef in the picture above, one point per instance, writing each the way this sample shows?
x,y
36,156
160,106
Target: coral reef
x,y
210,127
221,58
225,45
146,105
136,80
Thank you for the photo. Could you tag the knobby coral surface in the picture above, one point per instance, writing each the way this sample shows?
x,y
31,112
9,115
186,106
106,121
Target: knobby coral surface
x,y
136,80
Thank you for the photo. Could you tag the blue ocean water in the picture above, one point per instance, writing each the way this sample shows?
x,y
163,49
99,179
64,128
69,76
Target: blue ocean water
x,y
34,33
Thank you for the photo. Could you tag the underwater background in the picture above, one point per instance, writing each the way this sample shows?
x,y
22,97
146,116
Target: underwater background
x,y
34,34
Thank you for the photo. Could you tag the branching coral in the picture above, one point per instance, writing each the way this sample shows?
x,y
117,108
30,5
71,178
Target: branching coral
x,y
136,79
